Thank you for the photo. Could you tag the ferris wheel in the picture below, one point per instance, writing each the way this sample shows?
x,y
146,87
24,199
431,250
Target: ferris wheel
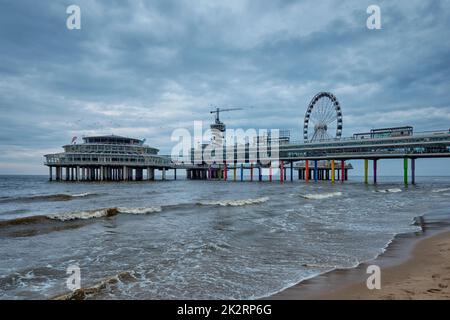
x,y
323,118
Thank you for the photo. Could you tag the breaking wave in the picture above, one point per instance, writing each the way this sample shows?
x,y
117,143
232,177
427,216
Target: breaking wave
x,y
47,197
319,196
392,190
440,190
110,212
99,213
234,203
102,287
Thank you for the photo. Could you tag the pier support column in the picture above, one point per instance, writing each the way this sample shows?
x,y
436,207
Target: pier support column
x,y
413,171
315,170
102,172
259,173
375,171
174,173
50,175
270,172
292,171
405,171
306,170
242,172
251,171
164,173
234,171
342,170
366,171
281,171
225,171
125,173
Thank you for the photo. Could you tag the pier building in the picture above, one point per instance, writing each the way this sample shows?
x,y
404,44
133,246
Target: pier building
x,y
107,158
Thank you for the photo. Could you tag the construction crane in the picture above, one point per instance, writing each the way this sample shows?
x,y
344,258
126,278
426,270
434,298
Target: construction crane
x,y
218,110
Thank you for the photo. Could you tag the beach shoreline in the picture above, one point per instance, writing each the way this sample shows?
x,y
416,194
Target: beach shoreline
x,y
414,266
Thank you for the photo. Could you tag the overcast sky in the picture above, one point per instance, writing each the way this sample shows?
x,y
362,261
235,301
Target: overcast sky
x,y
145,68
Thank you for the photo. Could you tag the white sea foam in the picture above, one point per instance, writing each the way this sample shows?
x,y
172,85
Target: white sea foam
x,y
392,190
80,195
440,190
319,196
235,203
99,213
83,215
139,210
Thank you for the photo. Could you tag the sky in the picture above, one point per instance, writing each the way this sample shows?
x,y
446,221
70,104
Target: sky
x,y
145,68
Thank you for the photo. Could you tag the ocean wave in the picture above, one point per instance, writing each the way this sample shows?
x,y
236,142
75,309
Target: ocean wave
x,y
140,210
99,288
440,190
320,196
234,203
82,195
79,215
24,220
100,213
84,215
391,190
46,197
110,212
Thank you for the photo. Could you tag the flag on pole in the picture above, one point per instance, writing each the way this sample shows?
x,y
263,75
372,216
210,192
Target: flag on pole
x,y
74,140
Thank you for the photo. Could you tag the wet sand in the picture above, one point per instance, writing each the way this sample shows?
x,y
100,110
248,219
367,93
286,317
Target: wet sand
x,y
413,267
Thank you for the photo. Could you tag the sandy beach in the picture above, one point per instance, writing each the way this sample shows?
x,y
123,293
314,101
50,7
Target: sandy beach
x,y
425,274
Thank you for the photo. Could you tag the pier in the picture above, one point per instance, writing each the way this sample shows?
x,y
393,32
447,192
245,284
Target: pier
x,y
313,161
107,158
329,160
323,155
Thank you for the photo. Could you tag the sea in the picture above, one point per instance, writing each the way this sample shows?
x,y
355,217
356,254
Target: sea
x,y
186,239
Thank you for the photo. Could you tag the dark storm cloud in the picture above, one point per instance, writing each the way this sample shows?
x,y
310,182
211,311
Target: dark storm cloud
x,y
143,68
